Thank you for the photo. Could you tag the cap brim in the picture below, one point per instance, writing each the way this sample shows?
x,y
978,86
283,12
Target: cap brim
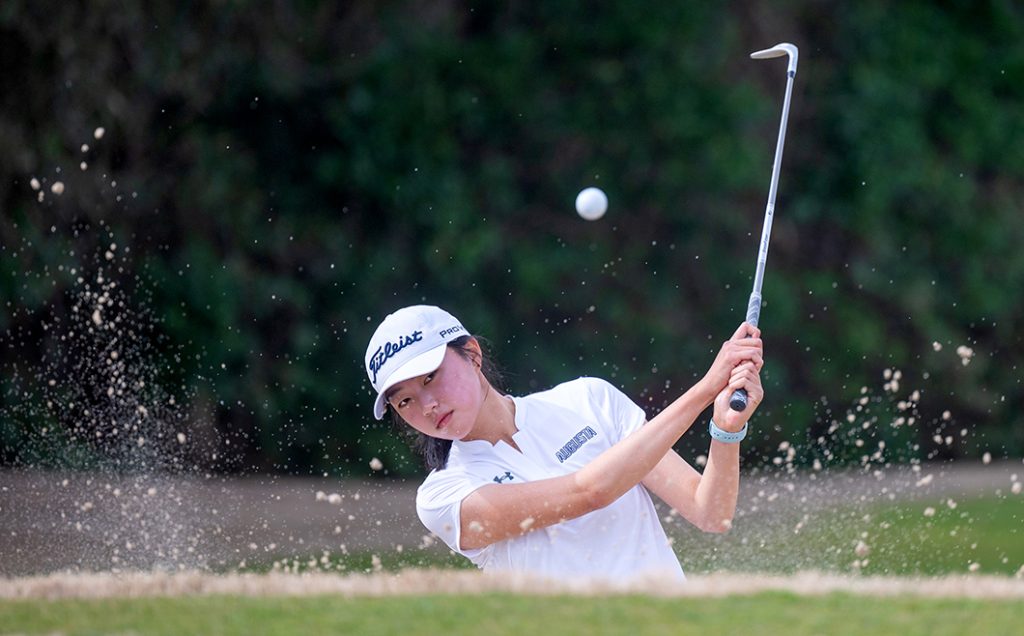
x,y
424,363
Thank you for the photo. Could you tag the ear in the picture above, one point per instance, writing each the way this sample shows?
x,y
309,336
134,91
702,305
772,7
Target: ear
x,y
476,354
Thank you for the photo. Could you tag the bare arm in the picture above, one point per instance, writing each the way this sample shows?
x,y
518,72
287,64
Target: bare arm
x,y
708,501
497,512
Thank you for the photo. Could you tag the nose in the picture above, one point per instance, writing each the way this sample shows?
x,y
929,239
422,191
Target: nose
x,y
429,402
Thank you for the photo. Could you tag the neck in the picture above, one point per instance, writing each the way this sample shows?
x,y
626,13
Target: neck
x,y
496,421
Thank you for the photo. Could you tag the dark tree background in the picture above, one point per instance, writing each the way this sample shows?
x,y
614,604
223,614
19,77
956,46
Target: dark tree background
x,y
276,177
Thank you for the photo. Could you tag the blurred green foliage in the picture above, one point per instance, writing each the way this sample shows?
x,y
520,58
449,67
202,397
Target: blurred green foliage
x,y
285,174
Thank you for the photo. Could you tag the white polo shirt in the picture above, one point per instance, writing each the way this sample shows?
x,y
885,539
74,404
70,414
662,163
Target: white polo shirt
x,y
560,431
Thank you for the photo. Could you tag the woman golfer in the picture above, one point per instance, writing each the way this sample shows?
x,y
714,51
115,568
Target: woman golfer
x,y
556,483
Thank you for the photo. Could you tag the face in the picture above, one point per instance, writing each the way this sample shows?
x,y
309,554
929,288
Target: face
x,y
445,403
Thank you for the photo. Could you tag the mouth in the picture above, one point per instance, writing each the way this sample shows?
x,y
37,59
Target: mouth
x,y
443,422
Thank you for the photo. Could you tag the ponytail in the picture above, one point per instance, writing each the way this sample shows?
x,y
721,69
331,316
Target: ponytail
x,y
433,450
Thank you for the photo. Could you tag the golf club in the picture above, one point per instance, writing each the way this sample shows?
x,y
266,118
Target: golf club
x,y
738,400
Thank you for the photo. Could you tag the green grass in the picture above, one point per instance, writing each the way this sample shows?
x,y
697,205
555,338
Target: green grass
x,y
502,614
989,532
902,541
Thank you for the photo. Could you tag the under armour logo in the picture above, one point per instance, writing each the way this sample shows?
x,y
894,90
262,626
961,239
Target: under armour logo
x,y
499,479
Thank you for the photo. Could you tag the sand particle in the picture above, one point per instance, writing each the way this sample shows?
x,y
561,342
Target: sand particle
x,y
965,353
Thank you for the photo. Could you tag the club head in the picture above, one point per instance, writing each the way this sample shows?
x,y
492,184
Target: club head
x,y
783,48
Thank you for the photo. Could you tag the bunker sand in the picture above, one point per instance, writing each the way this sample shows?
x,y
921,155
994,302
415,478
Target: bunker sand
x,y
107,585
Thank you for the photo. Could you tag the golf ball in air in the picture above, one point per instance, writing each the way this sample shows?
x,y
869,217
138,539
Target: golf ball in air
x,y
591,203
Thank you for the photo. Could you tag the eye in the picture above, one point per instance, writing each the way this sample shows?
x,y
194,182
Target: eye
x,y
428,378
404,402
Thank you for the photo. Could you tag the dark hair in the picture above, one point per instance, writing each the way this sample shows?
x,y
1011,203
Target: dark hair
x,y
435,450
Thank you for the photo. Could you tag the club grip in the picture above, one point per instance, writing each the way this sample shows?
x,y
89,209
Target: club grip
x,y
738,401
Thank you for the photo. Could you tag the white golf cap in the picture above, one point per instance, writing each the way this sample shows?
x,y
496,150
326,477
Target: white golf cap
x,y
408,343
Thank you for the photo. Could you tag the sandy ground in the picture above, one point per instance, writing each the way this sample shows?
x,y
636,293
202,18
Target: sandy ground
x,y
465,582
53,522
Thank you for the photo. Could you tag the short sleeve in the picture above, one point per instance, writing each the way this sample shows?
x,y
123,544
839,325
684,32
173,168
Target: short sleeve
x,y
439,503
614,407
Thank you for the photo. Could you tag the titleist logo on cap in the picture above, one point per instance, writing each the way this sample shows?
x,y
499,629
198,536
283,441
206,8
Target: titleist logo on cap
x,y
390,349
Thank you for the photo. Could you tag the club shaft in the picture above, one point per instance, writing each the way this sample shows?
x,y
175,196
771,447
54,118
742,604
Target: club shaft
x,y
754,310
738,400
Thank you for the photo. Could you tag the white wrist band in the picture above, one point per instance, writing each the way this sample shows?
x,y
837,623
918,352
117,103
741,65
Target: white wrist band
x,y
726,436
